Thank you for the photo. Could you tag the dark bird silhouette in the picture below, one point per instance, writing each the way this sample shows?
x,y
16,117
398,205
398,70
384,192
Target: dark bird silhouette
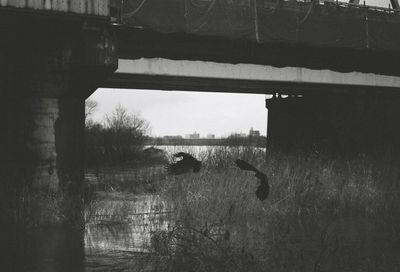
x,y
263,189
183,166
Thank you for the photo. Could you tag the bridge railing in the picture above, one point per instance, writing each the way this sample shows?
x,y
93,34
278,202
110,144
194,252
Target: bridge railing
x,y
84,7
388,9
299,3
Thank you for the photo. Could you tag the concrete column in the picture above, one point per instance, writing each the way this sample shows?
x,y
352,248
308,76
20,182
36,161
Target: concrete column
x,y
45,75
337,124
40,168
395,4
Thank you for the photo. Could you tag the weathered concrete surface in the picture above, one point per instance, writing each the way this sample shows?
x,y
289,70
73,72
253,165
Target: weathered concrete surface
x,y
207,69
166,74
46,113
47,69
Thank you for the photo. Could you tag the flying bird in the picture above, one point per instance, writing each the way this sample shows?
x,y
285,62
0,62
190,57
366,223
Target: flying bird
x,y
185,165
263,189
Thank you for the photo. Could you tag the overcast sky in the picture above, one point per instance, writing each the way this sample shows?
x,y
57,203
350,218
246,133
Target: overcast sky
x,y
380,3
181,113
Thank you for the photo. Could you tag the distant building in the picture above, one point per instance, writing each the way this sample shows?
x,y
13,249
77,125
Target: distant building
x,y
173,137
238,135
210,136
254,133
195,135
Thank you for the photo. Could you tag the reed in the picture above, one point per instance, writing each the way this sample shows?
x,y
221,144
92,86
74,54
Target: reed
x,y
322,214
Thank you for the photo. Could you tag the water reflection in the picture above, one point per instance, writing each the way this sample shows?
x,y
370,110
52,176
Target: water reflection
x,y
118,231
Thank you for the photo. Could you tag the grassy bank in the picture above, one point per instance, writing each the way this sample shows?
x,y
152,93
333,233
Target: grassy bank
x,y
322,215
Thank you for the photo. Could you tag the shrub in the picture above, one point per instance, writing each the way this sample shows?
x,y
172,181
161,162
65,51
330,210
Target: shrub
x,y
120,139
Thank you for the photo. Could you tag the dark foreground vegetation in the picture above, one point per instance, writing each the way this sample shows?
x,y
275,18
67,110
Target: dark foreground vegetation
x,y
322,214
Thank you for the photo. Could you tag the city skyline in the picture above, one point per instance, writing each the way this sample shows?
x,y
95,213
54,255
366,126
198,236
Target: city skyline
x,y
196,135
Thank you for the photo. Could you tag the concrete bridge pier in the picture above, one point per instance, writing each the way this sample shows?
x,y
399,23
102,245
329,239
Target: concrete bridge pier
x,y
45,77
339,124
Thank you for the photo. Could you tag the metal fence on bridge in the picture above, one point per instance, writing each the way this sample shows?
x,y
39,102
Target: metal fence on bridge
x,y
86,7
316,23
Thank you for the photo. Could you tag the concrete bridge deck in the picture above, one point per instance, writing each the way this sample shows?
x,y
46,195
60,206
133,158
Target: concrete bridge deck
x,y
165,74
317,35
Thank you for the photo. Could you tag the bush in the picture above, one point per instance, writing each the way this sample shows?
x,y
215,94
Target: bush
x,y
120,139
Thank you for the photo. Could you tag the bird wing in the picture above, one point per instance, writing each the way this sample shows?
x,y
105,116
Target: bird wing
x,y
177,168
262,191
184,155
196,166
181,154
187,157
245,166
187,163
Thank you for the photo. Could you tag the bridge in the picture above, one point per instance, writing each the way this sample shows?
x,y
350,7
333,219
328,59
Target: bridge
x,y
331,68
327,56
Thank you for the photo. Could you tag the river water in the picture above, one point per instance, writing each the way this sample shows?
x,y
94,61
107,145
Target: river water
x,y
198,150
119,229
119,226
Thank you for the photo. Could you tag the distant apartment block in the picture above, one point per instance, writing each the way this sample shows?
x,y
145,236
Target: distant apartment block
x,y
238,135
254,133
195,135
210,136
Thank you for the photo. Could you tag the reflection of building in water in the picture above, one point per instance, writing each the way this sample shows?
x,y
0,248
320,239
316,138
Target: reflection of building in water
x,y
195,135
254,133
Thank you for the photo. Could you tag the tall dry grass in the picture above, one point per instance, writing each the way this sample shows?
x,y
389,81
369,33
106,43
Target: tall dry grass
x,y
322,214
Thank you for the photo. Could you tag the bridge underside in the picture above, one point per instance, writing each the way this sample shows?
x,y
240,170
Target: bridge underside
x,y
311,34
166,74
134,43
338,40
341,113
341,41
